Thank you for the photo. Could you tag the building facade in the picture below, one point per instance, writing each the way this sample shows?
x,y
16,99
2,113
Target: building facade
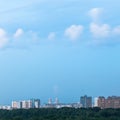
x,y
109,102
36,103
16,104
101,102
26,104
86,101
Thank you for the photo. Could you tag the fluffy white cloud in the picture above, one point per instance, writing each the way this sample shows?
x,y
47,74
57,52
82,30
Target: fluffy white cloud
x,y
74,31
3,38
102,30
51,36
95,14
19,32
15,40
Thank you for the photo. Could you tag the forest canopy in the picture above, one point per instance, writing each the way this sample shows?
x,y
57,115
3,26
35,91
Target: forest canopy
x,y
60,114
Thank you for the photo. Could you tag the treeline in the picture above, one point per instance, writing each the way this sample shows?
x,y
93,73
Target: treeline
x,y
61,114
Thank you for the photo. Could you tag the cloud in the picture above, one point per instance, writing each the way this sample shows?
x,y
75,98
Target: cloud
x,y
116,30
19,32
3,38
51,36
95,14
74,31
100,31
25,39
19,39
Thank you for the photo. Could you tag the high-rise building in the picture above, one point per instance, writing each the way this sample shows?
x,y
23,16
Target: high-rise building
x,y
96,102
110,102
56,101
36,103
16,104
26,104
101,102
86,101
49,101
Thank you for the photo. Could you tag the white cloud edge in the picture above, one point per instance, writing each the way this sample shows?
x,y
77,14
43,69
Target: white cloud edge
x,y
73,32
19,32
4,40
100,30
95,14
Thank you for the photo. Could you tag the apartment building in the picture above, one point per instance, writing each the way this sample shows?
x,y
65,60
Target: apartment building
x,y
109,102
86,101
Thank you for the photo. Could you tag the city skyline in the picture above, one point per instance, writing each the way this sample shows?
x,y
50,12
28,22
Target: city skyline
x,y
90,100
84,102
63,49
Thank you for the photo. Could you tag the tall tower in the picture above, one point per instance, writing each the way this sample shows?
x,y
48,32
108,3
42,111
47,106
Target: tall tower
x,y
56,101
37,103
96,102
86,101
49,101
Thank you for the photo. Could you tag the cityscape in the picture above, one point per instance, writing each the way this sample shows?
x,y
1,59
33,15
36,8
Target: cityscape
x,y
84,102
59,60
63,49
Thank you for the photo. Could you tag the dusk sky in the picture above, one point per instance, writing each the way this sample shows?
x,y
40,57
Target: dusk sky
x,y
59,48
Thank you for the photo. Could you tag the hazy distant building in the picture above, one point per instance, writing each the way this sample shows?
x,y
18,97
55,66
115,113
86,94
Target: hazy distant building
x,y
36,103
33,103
26,104
110,102
16,104
49,101
76,105
96,102
5,107
53,104
86,101
101,102
56,101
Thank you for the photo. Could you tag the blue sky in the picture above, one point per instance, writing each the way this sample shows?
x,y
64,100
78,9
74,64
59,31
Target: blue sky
x,y
62,49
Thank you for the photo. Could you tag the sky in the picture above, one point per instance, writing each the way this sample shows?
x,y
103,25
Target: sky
x,y
59,48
